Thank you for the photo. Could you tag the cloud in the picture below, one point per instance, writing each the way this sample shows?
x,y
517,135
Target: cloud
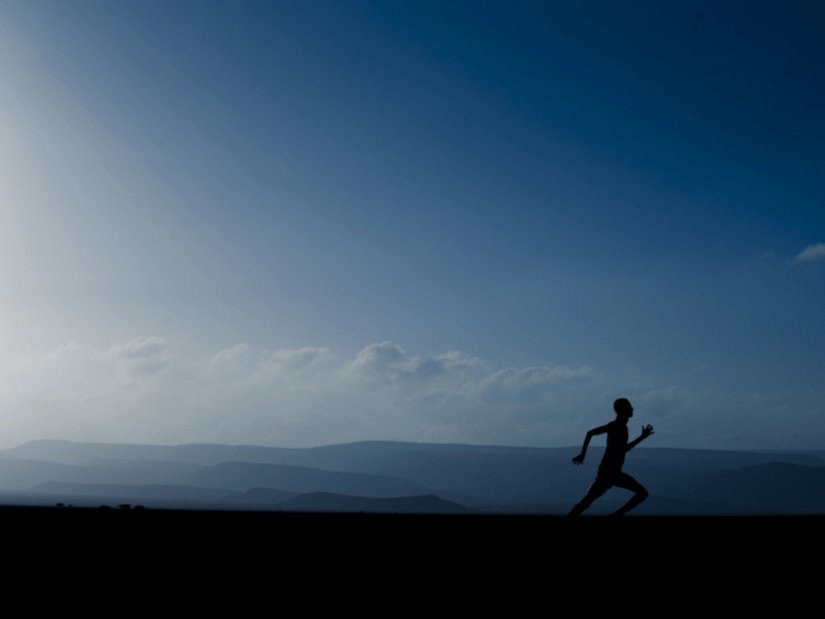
x,y
138,348
527,386
142,354
812,252
81,369
661,403
242,364
386,363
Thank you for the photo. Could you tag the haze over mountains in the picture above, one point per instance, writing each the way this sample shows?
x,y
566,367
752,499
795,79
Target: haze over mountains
x,y
377,476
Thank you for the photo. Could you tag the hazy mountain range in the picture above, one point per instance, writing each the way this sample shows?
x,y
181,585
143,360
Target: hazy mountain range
x,y
378,476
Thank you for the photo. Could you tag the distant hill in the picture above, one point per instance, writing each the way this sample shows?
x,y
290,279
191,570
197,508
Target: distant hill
x,y
777,488
68,452
483,478
657,505
482,474
329,502
263,496
244,476
24,474
133,492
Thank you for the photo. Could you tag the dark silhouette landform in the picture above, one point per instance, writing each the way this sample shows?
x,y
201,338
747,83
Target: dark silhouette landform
x,y
395,477
329,502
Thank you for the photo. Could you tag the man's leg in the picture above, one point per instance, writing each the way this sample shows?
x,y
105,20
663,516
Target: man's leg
x,y
628,483
599,487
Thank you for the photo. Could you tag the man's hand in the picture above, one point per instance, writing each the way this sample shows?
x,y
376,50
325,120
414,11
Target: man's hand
x,y
647,431
578,459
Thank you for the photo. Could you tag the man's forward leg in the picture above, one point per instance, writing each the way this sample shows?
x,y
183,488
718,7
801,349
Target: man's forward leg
x,y
628,483
599,487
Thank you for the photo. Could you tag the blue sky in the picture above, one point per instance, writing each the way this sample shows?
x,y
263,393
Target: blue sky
x,y
296,223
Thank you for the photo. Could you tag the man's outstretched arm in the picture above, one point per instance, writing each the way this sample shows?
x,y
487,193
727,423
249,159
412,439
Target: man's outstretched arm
x,y
600,430
646,431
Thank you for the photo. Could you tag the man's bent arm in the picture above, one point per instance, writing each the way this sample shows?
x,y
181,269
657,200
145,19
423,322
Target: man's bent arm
x,y
600,430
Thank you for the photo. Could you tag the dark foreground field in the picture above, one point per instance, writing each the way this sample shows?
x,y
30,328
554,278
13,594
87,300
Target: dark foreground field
x,y
500,542
201,560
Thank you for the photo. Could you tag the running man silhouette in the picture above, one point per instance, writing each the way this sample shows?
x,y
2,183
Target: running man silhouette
x,y
610,470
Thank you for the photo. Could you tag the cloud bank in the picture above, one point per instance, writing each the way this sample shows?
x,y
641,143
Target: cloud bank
x,y
143,392
140,391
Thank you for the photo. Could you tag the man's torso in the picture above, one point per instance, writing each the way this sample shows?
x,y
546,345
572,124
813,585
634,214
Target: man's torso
x,y
616,448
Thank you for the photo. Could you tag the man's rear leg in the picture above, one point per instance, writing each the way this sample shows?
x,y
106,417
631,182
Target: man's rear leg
x,y
628,483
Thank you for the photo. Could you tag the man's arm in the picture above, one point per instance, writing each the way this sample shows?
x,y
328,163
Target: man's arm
x,y
600,430
646,431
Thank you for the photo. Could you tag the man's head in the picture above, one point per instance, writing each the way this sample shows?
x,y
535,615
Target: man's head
x,y
623,408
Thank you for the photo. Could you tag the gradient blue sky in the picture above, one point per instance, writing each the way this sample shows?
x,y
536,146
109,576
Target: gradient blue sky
x,y
296,223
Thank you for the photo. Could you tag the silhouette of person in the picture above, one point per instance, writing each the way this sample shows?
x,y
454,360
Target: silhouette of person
x,y
610,470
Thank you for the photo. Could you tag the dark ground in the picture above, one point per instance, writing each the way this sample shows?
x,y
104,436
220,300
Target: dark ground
x,y
397,539
208,560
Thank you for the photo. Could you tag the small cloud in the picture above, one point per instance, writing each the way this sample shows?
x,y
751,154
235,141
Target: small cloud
x,y
244,365
663,402
384,361
299,359
143,354
387,363
812,252
535,385
138,348
231,363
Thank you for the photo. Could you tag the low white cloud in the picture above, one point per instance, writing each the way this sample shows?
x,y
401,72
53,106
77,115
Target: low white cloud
x,y
812,252
139,391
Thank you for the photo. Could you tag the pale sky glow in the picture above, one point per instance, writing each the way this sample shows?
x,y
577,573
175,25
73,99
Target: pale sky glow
x,y
307,223
142,391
